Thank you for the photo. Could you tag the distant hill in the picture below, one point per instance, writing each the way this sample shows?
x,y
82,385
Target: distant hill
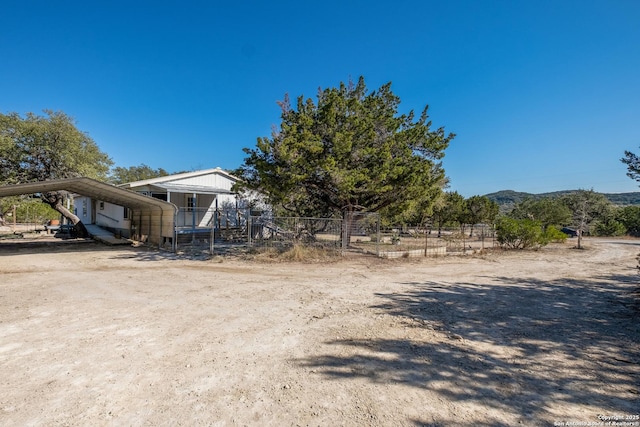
x,y
507,199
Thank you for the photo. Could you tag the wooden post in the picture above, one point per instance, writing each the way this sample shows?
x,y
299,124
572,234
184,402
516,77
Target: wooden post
x,y
426,241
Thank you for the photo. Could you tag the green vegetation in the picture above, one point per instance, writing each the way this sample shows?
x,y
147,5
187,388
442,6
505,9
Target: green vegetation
x,y
585,211
508,199
350,151
26,209
448,210
38,148
629,217
633,165
121,175
525,233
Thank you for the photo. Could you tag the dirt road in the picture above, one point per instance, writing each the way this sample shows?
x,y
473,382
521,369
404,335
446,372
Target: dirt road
x,y
97,336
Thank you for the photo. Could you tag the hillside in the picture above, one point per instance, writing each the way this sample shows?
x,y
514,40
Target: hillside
x,y
507,199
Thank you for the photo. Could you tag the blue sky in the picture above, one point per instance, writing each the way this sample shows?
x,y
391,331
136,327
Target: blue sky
x,y
542,95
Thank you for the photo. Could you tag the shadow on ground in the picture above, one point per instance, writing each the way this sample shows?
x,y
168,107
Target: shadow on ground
x,y
37,246
515,345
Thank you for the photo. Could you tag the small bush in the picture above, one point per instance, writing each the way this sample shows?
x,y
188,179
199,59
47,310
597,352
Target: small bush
x,y
525,233
553,234
518,233
609,227
299,253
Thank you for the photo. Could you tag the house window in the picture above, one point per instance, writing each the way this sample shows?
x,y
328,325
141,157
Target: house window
x,y
101,206
84,207
125,213
191,203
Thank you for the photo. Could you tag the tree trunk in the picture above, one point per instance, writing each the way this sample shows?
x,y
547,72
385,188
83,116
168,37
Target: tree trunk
x,y
579,239
55,200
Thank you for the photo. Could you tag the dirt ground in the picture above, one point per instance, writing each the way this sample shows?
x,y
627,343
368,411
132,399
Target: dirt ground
x,y
92,335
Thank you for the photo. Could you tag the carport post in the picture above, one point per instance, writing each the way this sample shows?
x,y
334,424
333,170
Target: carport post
x,y
160,236
194,203
174,243
249,228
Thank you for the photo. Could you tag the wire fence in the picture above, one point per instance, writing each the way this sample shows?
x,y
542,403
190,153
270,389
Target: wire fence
x,y
228,231
269,231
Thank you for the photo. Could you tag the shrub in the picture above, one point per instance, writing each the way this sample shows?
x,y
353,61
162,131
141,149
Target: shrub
x,y
553,234
299,253
609,227
629,217
525,233
517,233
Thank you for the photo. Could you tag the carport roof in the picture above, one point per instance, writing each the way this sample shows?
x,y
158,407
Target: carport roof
x,y
91,188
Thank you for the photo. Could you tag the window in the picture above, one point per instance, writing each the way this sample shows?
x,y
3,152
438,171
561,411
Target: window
x,y
191,203
101,206
125,213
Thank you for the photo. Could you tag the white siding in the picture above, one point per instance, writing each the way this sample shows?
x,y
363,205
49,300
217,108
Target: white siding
x,y
110,215
212,180
82,208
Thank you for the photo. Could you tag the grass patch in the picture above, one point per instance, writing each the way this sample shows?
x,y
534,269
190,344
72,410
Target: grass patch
x,y
295,253
10,236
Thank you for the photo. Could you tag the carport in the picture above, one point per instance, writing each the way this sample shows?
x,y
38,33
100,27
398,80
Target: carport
x,y
154,219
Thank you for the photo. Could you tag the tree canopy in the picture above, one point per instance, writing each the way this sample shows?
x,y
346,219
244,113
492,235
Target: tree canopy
x,y
38,148
120,175
449,208
586,206
480,209
548,211
349,151
633,165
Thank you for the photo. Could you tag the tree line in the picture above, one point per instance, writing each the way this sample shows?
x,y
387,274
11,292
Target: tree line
x,y
46,147
351,150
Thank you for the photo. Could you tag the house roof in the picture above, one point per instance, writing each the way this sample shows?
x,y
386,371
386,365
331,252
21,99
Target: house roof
x,y
200,189
168,178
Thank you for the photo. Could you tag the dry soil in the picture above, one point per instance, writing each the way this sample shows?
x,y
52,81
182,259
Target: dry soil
x,y
91,335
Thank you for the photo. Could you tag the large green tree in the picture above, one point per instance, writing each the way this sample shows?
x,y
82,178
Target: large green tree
x,y
633,165
448,209
586,206
629,216
39,148
548,211
350,151
479,209
121,175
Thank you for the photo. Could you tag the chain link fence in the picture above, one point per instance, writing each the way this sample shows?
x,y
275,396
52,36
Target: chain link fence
x,y
267,231
231,231
211,230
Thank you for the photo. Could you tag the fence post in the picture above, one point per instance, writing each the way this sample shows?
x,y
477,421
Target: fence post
x,y
345,232
464,242
378,235
212,238
426,241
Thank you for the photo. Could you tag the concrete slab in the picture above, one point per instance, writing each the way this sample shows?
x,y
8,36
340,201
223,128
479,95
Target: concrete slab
x,y
105,236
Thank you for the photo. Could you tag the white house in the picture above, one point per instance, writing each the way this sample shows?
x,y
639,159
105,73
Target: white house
x,y
204,198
